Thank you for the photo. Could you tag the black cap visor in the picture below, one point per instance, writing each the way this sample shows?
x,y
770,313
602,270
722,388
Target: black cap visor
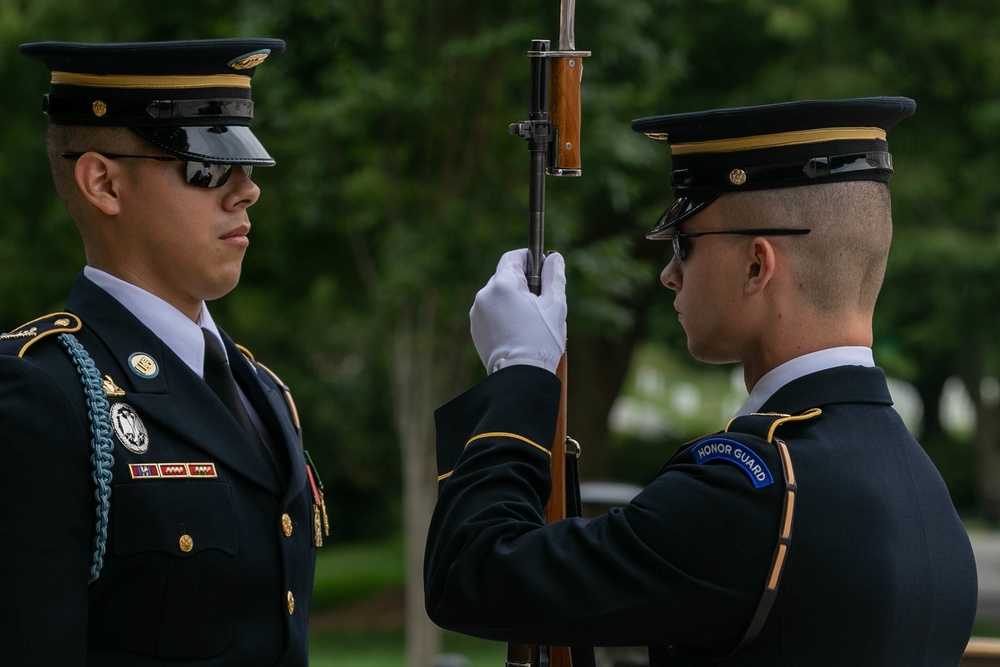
x,y
682,209
219,144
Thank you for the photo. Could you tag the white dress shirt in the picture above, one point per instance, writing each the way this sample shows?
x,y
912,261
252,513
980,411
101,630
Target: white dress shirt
x,y
170,325
778,377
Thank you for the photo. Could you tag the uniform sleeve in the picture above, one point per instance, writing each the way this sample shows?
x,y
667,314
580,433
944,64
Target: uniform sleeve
x,y
684,563
46,518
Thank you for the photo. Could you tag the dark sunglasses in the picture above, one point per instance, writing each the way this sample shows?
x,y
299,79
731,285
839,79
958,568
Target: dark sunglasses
x,y
682,241
198,174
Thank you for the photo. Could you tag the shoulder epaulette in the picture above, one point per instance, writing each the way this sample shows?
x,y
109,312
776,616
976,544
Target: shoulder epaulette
x,y
246,353
292,410
762,425
35,330
765,424
63,325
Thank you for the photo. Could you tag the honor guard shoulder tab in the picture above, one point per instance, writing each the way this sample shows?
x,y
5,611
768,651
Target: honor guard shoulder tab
x,y
20,339
719,446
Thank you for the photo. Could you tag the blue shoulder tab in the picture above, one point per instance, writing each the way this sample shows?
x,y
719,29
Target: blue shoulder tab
x,y
716,448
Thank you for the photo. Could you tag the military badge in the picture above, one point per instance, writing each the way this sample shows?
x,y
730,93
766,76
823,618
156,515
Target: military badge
x,y
111,389
129,428
164,470
249,60
143,365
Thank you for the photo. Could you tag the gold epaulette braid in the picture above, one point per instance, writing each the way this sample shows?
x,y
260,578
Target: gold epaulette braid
x,y
35,330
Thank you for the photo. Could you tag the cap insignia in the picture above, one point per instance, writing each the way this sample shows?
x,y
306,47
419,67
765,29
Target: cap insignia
x,y
249,60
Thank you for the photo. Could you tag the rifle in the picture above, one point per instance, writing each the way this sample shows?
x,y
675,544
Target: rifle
x,y
554,148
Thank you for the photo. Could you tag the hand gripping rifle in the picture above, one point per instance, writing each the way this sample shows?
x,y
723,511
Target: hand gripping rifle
x,y
553,135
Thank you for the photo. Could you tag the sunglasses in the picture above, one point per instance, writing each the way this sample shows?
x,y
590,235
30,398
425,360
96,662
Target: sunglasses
x,y
198,174
682,241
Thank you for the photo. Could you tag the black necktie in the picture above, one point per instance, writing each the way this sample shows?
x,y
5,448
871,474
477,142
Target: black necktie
x,y
219,377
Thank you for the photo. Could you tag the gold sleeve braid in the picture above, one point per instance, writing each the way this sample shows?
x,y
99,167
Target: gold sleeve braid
x,y
499,434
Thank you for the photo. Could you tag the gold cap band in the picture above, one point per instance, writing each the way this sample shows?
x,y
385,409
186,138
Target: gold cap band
x,y
779,139
149,81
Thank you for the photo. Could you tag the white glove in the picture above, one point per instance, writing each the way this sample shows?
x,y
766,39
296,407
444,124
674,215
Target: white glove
x,y
510,325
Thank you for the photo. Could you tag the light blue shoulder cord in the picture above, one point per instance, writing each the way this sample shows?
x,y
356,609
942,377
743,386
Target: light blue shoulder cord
x,y
100,429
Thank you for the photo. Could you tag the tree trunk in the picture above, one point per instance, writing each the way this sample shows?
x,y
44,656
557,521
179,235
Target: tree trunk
x,y
596,369
987,458
413,371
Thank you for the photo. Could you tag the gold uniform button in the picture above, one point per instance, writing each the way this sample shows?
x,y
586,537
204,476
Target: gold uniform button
x,y
186,543
286,525
291,603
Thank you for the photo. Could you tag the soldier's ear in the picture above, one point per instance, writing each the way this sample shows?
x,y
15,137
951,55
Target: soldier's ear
x,y
99,179
760,265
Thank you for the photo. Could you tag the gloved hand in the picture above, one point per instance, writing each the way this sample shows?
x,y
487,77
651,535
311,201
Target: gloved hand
x,y
510,325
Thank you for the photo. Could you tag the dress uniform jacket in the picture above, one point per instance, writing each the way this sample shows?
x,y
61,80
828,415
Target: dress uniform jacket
x,y
209,555
879,571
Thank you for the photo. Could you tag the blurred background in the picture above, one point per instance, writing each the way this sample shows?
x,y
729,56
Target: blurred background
x,y
398,186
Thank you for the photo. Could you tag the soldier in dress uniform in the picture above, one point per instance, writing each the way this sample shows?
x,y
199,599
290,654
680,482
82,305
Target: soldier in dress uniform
x,y
812,529
158,508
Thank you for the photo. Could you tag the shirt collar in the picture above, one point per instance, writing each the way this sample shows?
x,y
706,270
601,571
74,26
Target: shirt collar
x,y
778,377
170,325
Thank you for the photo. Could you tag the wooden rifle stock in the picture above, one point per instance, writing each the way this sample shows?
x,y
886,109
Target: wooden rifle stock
x,y
554,148
559,656
527,655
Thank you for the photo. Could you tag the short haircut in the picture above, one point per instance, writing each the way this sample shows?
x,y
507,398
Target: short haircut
x,y
79,138
840,264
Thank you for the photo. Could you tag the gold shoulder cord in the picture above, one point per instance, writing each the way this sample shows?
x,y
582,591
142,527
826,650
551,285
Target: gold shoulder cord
x,y
784,528
285,389
321,522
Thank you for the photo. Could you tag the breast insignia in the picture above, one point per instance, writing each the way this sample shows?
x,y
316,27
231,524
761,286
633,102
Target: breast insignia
x,y
143,365
129,428
111,389
206,470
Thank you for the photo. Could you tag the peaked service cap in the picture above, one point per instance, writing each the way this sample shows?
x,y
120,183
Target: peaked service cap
x,y
188,98
772,146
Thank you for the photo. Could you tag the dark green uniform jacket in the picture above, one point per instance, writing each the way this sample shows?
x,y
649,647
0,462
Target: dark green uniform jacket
x,y
879,572
208,556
